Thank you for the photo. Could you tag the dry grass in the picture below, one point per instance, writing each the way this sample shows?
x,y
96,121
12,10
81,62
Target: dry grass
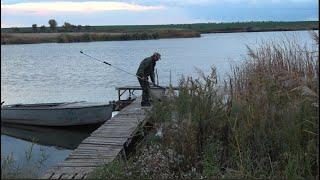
x,y
267,128
273,111
30,38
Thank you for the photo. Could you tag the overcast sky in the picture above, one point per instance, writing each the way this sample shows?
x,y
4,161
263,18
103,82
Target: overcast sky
x,y
17,13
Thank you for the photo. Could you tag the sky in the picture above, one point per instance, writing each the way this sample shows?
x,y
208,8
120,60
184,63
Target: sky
x,y
24,13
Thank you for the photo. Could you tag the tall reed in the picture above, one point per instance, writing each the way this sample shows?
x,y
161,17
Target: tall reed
x,y
267,128
262,124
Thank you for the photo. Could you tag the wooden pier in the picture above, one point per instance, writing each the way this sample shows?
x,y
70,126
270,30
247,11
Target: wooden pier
x,y
103,145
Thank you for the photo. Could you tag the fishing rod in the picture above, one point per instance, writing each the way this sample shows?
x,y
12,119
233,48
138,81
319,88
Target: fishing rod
x,y
104,62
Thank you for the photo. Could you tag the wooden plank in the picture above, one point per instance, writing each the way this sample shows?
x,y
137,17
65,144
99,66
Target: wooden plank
x,y
122,124
68,176
57,176
122,121
79,176
116,141
98,152
48,175
85,156
110,130
105,143
65,176
90,156
85,176
105,139
96,160
86,164
111,124
103,147
113,135
108,123
98,149
109,154
119,125
92,150
115,125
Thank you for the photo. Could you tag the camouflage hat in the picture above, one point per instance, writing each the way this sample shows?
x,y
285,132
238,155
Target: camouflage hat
x,y
157,55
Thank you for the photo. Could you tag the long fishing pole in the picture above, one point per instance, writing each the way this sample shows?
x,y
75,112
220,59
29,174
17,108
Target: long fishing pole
x,y
104,62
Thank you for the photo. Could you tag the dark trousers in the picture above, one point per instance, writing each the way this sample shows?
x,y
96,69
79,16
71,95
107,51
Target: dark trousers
x,y
145,91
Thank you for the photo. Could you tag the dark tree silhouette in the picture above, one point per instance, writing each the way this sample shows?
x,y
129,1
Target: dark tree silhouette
x,y
53,24
34,28
43,28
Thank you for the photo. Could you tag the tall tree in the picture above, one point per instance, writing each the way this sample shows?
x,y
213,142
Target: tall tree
x,y
79,27
53,24
67,26
16,29
34,28
43,28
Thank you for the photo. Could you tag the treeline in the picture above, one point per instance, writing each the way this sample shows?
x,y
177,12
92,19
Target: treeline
x,y
200,27
52,28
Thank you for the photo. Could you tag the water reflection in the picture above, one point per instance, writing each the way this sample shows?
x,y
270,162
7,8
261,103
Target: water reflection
x,y
66,138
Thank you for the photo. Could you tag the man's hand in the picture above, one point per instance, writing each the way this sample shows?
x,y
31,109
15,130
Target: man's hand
x,y
143,78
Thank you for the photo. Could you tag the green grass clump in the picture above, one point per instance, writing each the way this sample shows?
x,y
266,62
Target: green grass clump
x,y
26,169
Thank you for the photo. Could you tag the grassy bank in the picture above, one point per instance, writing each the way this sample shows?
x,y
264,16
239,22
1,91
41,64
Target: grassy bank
x,y
30,38
263,124
141,32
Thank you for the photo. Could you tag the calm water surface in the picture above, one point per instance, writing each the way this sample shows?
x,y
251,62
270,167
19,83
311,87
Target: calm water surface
x,y
39,73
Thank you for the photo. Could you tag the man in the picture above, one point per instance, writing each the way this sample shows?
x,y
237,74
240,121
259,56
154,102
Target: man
x,y
145,70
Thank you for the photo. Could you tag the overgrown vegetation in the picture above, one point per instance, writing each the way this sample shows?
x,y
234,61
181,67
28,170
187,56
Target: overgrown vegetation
x,y
263,124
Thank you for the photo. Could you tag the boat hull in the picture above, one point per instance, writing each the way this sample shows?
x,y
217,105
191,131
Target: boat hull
x,y
64,115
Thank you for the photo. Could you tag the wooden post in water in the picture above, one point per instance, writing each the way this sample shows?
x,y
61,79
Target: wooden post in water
x,y
170,78
157,77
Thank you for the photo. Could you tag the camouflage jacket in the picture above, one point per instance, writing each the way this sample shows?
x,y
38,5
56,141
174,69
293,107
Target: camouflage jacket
x,y
146,68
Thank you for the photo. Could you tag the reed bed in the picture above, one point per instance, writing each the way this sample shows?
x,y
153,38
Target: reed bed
x,y
265,124
30,38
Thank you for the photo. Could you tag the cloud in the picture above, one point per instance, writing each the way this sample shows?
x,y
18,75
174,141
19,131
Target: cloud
x,y
6,25
119,12
76,7
225,2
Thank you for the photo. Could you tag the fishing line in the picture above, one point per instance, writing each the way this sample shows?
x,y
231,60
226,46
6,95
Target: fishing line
x,y
104,62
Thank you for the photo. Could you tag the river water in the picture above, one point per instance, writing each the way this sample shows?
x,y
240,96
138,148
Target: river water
x,y
51,72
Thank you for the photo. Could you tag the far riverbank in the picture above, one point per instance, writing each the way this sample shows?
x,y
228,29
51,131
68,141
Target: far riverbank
x,y
33,38
27,35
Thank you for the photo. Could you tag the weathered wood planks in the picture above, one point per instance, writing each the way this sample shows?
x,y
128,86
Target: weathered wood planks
x,y
102,146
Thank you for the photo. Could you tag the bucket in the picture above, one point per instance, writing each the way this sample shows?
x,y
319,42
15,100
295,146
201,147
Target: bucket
x,y
157,93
